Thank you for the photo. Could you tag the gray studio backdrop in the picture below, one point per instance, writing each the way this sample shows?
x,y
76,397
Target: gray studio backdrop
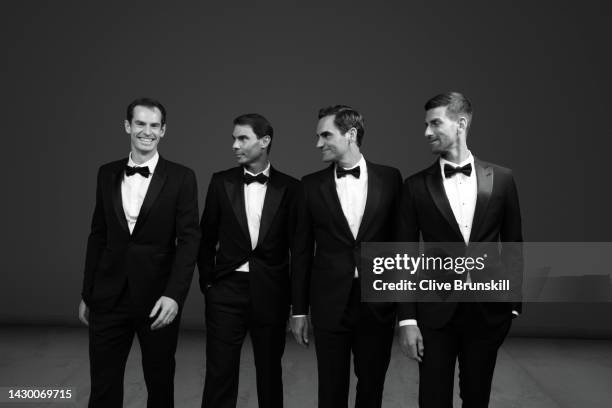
x,y
538,76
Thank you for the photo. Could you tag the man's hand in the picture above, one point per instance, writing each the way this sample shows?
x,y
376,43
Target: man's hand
x,y
83,313
411,342
167,308
299,328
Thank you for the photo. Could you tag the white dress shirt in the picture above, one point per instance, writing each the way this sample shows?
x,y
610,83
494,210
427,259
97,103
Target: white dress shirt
x,y
353,194
461,192
134,189
254,196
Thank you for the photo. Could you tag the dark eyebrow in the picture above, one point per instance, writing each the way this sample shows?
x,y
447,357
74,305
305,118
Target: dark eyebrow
x,y
141,123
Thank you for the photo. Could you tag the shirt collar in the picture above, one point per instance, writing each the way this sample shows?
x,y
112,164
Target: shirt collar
x,y
469,160
266,171
151,163
361,163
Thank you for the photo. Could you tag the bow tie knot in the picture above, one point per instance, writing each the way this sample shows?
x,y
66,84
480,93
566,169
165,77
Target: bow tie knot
x,y
355,172
249,178
143,171
450,171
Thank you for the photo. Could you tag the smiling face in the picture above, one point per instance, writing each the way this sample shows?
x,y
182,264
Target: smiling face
x,y
441,131
145,130
333,144
247,147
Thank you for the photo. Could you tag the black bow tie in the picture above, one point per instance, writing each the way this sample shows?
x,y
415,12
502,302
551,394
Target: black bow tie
x,y
260,178
143,171
450,171
355,172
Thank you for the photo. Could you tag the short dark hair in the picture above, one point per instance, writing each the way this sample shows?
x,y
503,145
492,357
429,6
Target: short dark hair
x,y
260,125
147,103
455,102
345,118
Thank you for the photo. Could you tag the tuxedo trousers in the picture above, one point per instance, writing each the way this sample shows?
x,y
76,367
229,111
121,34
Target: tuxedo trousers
x,y
369,340
468,339
228,319
110,339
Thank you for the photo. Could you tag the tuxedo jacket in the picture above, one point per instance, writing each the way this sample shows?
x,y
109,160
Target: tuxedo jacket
x,y
322,274
159,257
226,242
426,212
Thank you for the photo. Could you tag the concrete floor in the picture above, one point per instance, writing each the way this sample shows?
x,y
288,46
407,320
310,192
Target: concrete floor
x,y
531,372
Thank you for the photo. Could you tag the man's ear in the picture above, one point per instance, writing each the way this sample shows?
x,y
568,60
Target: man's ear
x,y
352,135
128,128
162,131
265,141
463,123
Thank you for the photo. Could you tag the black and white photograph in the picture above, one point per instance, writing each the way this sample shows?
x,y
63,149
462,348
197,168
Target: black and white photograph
x,y
306,204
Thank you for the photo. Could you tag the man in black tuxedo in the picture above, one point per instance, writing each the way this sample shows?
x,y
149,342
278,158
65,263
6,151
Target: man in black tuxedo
x,y
247,229
349,202
141,254
459,199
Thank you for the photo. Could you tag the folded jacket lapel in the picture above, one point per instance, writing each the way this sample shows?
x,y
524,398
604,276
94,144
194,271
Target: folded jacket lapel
x,y
433,180
234,187
158,179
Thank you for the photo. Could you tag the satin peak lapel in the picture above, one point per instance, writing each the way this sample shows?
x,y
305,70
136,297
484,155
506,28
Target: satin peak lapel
x,y
484,180
436,190
234,187
157,182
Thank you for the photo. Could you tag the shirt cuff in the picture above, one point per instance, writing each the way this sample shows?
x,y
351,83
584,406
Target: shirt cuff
x,y
408,322
298,316
514,312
